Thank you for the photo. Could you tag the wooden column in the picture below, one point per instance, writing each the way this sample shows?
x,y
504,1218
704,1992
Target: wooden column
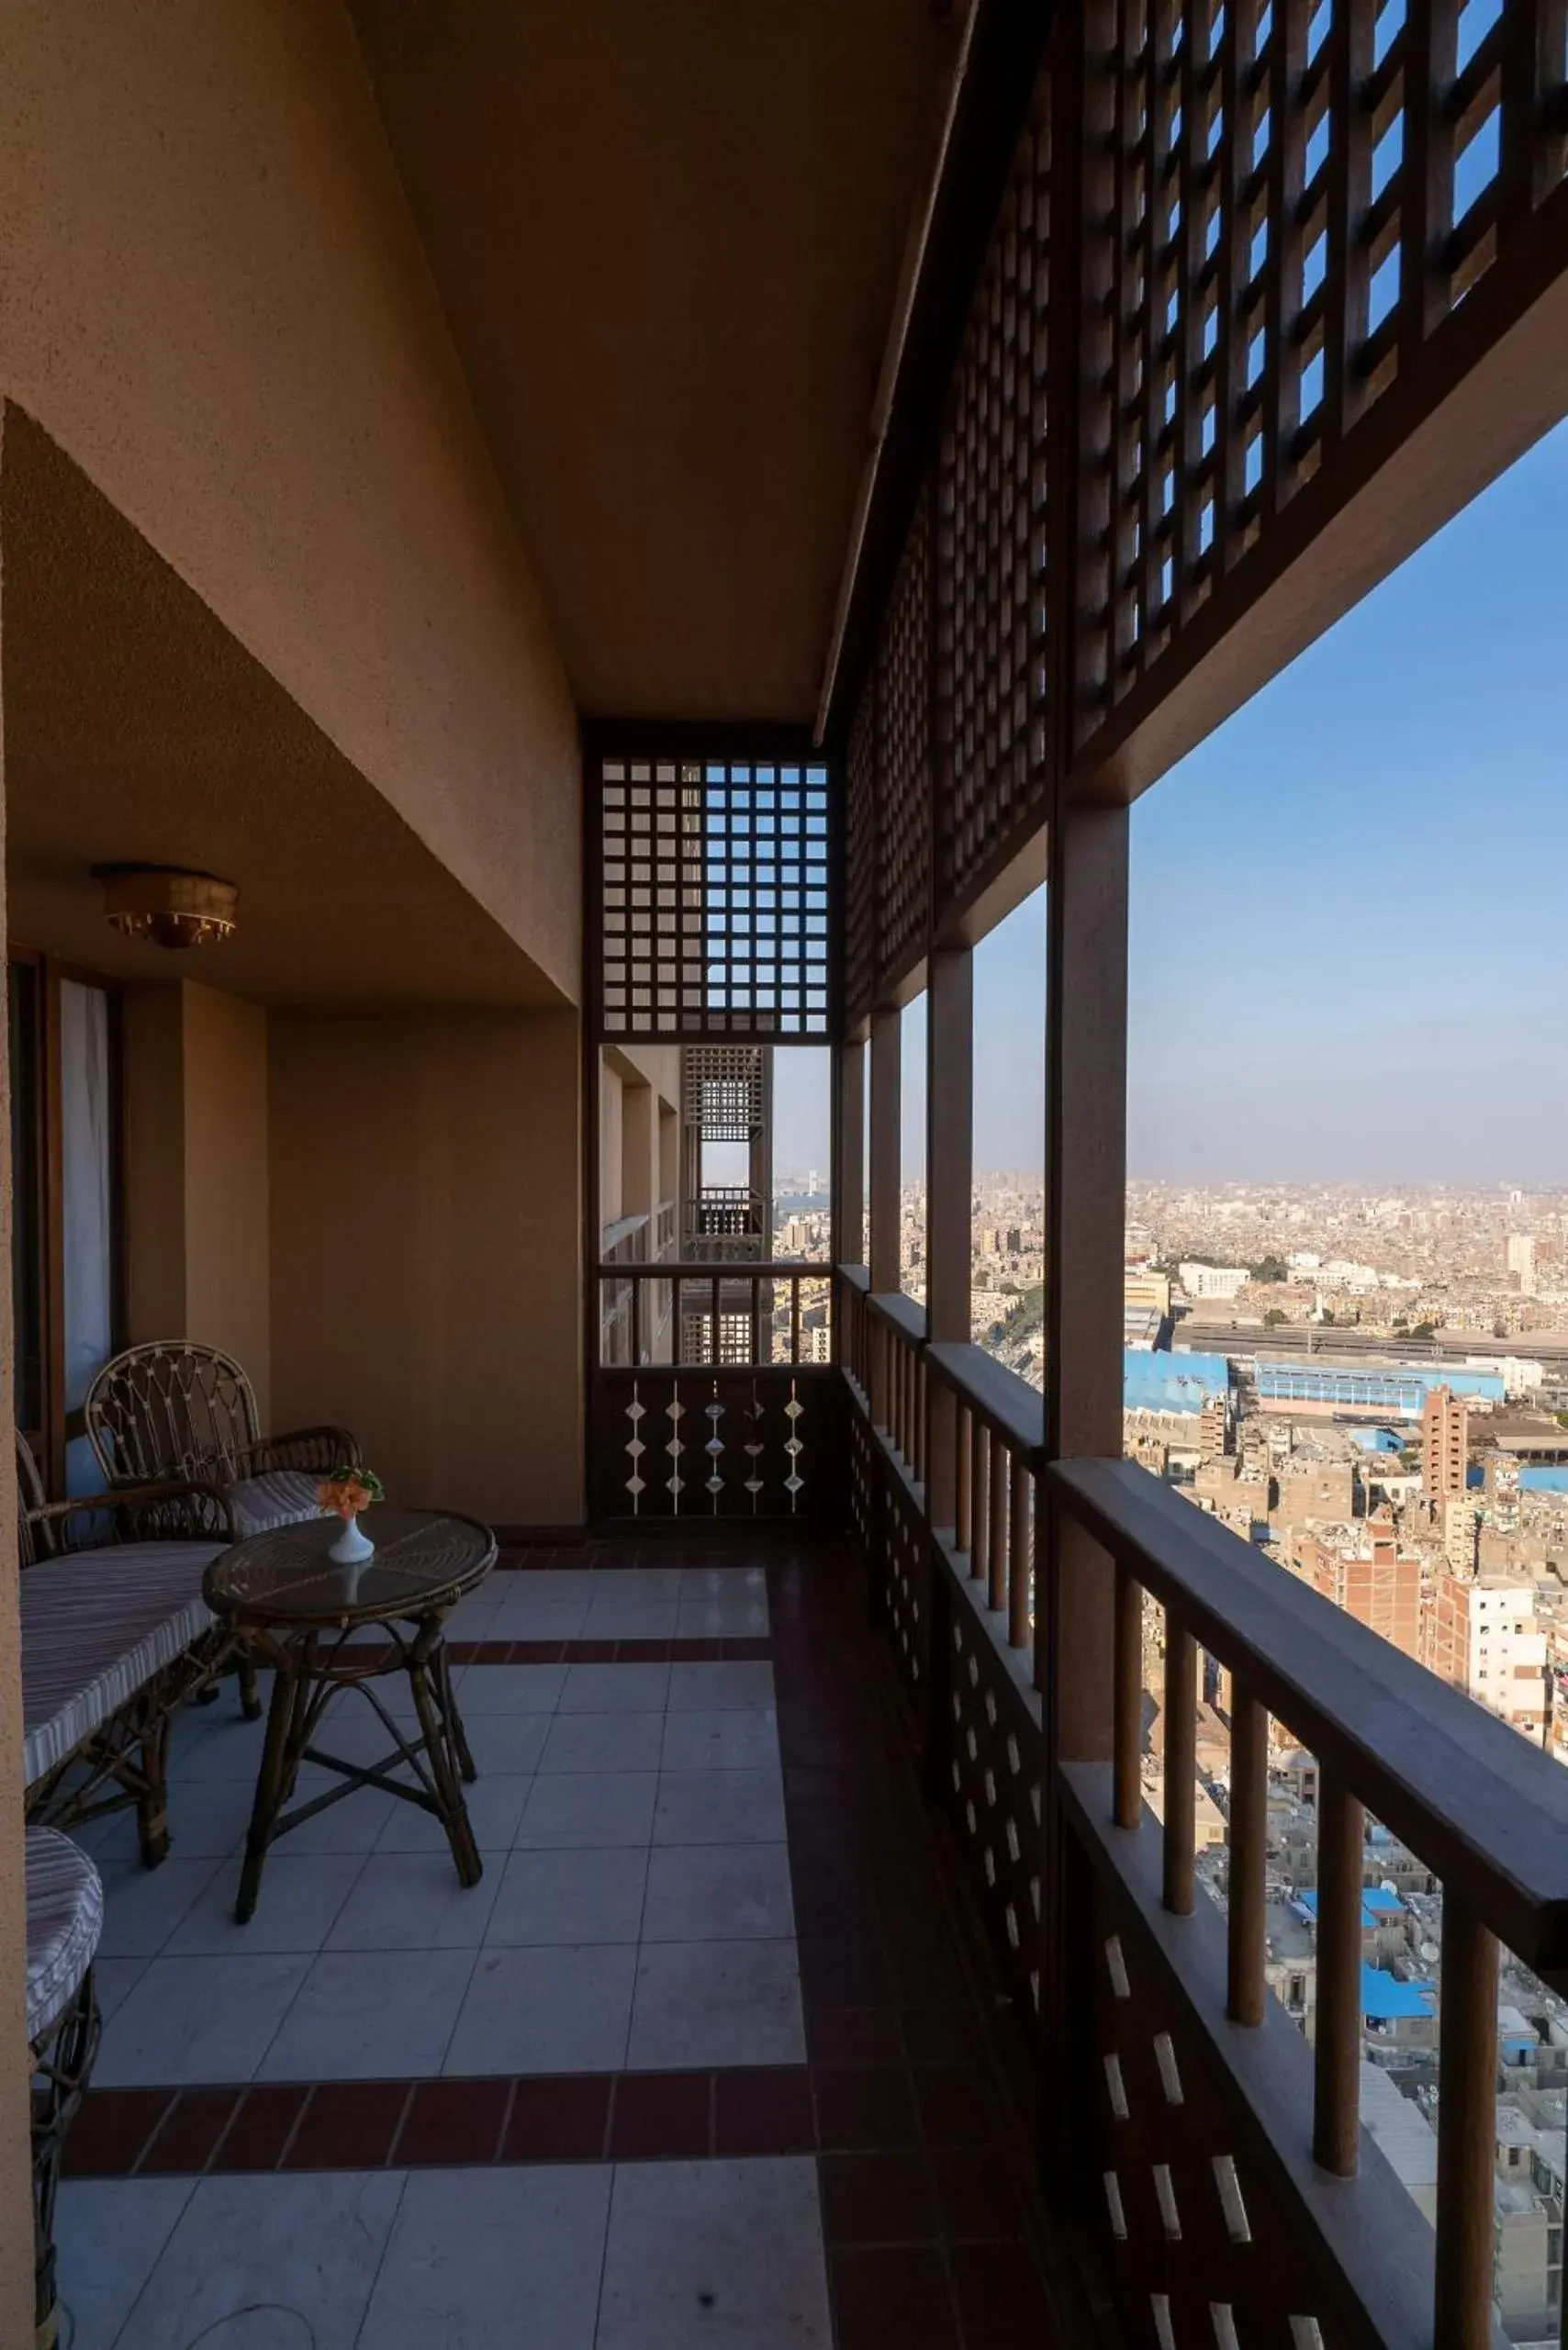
x,y
1086,1034
849,1156
949,1184
886,1033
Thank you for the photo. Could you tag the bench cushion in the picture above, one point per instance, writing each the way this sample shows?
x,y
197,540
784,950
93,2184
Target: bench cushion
x,y
277,1497
96,1626
65,1916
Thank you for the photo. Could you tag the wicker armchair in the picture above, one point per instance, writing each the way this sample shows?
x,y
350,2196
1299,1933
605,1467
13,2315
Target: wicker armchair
x,y
116,1636
175,1409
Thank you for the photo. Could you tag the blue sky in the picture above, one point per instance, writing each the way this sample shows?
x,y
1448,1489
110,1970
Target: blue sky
x,y
1350,906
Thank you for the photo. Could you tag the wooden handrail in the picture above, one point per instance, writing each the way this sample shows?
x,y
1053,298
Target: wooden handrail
x,y
745,1268
1486,1812
905,1315
1012,1409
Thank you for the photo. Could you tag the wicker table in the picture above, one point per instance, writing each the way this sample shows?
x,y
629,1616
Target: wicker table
x,y
305,1617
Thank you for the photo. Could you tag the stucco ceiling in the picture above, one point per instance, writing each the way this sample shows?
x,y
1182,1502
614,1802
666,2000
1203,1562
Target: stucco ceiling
x,y
138,729
668,234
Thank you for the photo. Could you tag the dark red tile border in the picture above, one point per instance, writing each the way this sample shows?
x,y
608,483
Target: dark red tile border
x,y
716,1652
828,2108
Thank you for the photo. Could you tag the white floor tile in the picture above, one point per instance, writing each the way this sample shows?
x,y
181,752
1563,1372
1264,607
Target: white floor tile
x,y
524,1617
545,2010
109,2234
617,1614
370,2015
507,1742
413,1901
705,1688
615,1689
721,1740
472,1617
301,1894
593,1895
722,1620
480,2257
114,1979
208,1818
555,1586
661,1585
589,1807
198,2020
603,1742
228,1748
718,1893
289,2263
719,1807
716,2003
142,1906
724,2253
495,1804
510,1689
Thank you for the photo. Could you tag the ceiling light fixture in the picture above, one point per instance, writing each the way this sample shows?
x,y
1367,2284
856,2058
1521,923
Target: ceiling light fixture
x,y
166,904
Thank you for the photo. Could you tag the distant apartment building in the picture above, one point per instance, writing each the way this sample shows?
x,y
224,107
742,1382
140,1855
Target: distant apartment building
x,y
1483,1638
1147,1292
1211,1280
1321,1489
1371,1579
1520,1249
1445,1441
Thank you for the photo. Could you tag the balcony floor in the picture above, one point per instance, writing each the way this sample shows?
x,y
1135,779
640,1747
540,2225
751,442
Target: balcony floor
x,y
697,2061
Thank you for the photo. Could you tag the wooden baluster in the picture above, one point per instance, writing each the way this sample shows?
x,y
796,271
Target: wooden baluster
x,y
996,1544
1467,2126
1128,1700
1341,1844
1245,1894
922,1418
794,1317
979,1493
1181,1726
963,1523
636,1320
713,1326
1020,1594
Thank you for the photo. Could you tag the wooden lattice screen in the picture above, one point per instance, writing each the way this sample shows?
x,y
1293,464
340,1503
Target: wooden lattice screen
x,y
1292,226
714,899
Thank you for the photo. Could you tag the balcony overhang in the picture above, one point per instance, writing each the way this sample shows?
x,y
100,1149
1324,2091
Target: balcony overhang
x,y
138,729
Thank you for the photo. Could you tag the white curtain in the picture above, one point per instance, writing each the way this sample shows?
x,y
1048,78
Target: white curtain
x,y
85,1197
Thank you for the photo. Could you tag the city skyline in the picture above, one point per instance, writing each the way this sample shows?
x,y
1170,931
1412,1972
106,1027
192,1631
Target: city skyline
x,y
1322,985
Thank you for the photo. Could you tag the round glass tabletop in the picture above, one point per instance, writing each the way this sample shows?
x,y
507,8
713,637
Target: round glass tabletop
x,y
424,1558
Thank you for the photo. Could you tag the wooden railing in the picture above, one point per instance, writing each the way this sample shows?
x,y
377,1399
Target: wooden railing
x,y
1242,2201
762,1313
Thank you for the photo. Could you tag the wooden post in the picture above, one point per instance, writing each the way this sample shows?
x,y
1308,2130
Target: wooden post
x,y
1467,2108
849,1160
1341,1841
1085,1207
1246,1893
887,1029
949,1112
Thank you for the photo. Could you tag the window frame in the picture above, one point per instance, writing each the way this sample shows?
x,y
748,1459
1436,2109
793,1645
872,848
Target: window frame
x,y
58,1427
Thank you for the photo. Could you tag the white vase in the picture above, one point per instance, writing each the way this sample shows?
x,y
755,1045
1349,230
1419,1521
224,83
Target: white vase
x,y
351,1546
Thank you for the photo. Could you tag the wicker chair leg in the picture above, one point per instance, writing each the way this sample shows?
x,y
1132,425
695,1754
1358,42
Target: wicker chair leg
x,y
250,1696
153,1803
62,2065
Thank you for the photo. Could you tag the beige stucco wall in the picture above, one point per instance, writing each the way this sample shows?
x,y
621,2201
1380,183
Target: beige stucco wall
x,y
212,297
16,2169
227,1244
425,1196
195,1173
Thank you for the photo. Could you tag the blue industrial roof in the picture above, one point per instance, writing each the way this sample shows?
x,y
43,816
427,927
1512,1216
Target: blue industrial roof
x,y
1384,1999
1544,1478
1166,1383
1375,1440
1399,1390
1376,1904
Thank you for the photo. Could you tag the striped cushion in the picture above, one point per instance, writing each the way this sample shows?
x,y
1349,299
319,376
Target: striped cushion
x,y
279,1497
65,1916
96,1626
